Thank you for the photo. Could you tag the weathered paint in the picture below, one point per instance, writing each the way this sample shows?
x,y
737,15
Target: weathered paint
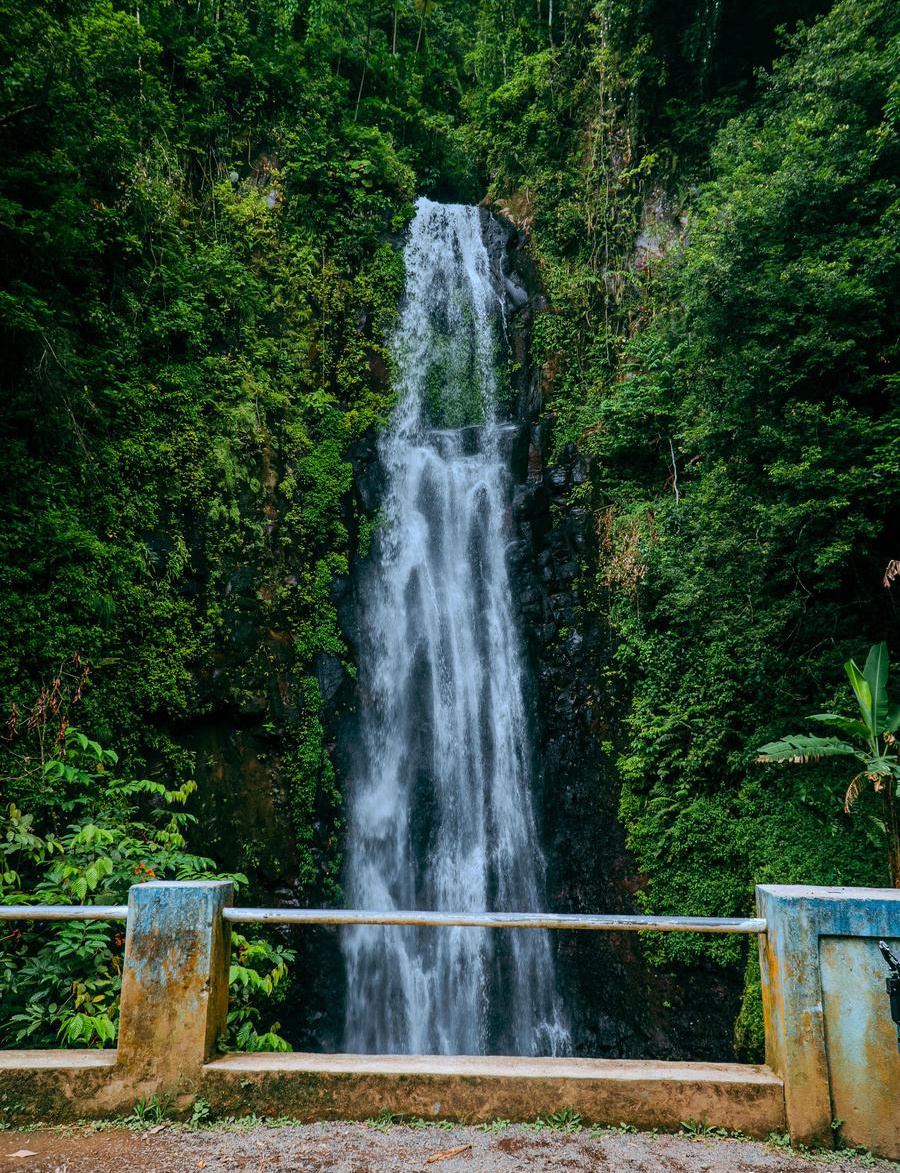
x,y
828,1034
798,1018
56,1086
481,1088
174,983
861,1043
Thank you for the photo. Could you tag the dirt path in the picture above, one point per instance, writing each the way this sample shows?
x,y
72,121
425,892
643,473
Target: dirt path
x,y
358,1148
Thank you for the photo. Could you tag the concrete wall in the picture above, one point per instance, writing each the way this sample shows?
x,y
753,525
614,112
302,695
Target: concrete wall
x,y
830,1044
829,1032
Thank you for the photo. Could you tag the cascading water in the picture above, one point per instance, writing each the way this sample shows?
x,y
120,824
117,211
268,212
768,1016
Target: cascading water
x,y
440,805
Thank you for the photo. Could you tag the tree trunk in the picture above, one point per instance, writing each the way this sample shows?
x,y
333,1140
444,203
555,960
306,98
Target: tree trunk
x,y
423,13
362,80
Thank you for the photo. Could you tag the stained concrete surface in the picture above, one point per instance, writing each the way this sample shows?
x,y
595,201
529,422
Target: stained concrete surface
x,y
828,1029
480,1088
358,1148
60,1086
861,1041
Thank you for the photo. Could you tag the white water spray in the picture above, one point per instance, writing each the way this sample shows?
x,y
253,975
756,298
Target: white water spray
x,y
440,807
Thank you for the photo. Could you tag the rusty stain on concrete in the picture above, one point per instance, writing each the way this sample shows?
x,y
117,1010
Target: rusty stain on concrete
x,y
861,1043
175,982
804,1006
795,1040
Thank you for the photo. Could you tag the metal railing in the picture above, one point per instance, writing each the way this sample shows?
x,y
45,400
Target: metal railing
x,y
63,911
472,920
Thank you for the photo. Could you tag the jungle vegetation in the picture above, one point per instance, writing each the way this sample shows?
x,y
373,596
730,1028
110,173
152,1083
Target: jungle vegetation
x,y
199,211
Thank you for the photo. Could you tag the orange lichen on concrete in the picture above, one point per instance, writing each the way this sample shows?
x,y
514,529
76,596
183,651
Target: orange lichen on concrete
x,y
828,1035
175,983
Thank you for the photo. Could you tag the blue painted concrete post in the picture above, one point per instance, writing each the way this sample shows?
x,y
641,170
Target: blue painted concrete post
x,y
792,1008
829,1033
174,983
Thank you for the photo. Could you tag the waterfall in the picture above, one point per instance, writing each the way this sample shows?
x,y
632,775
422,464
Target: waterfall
x,y
440,805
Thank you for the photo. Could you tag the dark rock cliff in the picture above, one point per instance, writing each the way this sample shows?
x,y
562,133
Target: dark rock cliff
x,y
620,1007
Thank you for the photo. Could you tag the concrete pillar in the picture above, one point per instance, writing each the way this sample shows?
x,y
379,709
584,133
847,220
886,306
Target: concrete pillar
x,y
792,1008
829,1033
174,984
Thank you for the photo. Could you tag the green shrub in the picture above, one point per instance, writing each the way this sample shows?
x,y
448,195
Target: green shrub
x,y
95,836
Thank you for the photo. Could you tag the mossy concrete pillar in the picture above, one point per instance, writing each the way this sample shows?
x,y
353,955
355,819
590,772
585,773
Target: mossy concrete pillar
x,y
174,984
829,1033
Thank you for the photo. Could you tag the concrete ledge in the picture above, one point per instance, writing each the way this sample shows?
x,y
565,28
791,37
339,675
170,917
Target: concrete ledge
x,y
62,1060
481,1088
56,1085
61,1086
67,1085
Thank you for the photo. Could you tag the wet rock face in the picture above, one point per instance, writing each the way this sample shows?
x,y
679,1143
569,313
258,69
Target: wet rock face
x,y
516,275
619,1007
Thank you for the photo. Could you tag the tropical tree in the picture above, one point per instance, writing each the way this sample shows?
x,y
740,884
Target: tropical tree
x,y
870,739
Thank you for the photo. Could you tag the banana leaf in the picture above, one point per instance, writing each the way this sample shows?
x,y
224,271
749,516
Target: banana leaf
x,y
848,725
862,690
805,748
876,674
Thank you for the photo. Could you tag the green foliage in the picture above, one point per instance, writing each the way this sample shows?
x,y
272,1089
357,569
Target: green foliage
x,y
713,207
875,744
200,1112
383,1121
454,393
199,212
198,221
562,1120
93,836
760,384
103,844
313,789
749,1030
258,970
697,1129
147,1111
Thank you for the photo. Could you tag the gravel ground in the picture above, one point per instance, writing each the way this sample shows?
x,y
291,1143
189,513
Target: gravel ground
x,y
358,1148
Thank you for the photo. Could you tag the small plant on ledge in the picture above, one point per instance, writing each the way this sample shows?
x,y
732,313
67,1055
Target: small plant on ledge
x,y
870,739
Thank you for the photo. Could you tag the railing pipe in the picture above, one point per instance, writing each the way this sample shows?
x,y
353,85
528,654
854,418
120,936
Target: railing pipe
x,y
63,912
472,920
498,920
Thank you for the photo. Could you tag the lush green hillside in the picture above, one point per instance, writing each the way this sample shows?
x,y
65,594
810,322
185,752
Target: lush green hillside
x,y
720,248
198,211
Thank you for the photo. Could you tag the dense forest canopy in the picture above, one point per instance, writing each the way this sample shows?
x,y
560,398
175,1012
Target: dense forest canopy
x,y
200,208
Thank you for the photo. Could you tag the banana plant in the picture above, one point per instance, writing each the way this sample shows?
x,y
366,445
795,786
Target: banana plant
x,y
869,738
